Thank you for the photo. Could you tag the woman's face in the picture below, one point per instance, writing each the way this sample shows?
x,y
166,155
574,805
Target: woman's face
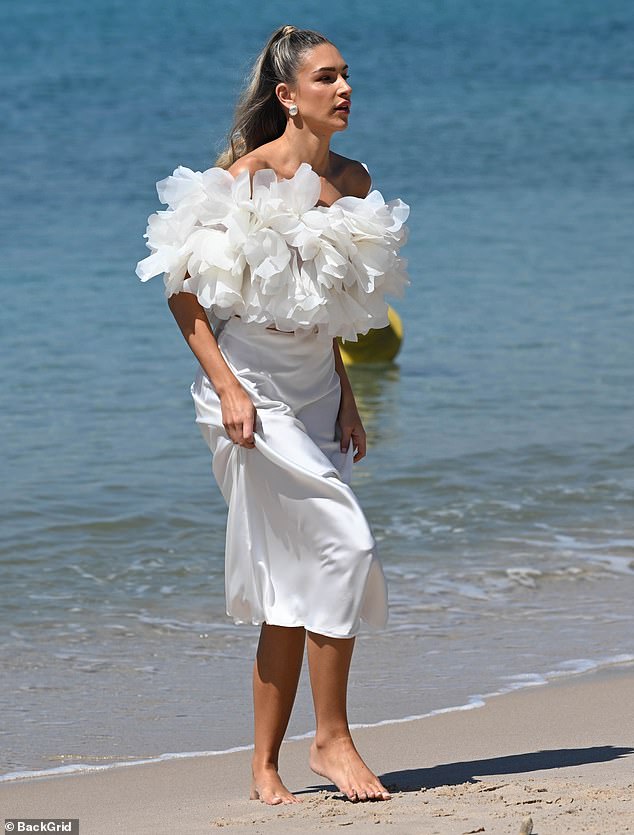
x,y
321,89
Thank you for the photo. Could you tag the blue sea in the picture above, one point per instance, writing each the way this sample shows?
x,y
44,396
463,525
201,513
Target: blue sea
x,y
500,475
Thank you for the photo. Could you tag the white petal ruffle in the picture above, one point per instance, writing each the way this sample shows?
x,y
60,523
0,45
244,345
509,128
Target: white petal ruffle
x,y
267,252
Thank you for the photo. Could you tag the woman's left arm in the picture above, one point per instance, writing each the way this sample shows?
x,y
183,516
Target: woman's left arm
x,y
348,417
358,185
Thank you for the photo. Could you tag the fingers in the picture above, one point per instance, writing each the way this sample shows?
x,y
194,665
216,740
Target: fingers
x,y
346,434
241,427
248,428
241,434
360,443
356,434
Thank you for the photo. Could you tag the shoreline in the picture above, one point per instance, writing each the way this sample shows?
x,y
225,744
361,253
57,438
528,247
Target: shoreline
x,y
475,701
524,751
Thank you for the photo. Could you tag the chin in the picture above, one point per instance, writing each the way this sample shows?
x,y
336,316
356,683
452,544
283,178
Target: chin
x,y
341,125
328,125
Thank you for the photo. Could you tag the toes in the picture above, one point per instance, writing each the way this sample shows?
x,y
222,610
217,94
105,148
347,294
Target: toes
x,y
385,794
378,793
292,799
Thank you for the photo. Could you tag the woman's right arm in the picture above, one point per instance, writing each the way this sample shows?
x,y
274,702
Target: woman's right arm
x,y
238,411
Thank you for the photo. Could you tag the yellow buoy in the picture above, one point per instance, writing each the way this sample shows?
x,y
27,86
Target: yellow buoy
x,y
376,346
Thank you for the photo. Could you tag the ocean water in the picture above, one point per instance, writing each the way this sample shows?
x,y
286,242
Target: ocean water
x,y
500,476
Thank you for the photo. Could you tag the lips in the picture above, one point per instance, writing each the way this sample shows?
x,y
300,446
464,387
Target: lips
x,y
344,107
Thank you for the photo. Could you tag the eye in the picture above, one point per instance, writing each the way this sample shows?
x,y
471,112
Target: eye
x,y
333,78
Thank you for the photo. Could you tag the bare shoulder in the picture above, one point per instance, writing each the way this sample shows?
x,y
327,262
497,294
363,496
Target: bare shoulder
x,y
353,176
251,162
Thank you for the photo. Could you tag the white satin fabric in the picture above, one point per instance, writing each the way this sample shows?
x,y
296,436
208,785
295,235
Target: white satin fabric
x,y
299,550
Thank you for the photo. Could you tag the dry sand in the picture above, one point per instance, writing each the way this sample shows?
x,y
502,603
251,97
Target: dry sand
x,y
560,754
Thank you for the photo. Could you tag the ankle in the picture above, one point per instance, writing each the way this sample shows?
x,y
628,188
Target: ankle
x,y
259,763
324,739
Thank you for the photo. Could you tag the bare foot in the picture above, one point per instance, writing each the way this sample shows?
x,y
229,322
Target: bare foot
x,y
267,787
339,761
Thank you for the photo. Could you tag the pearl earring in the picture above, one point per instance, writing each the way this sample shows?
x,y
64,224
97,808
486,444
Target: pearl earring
x,y
293,110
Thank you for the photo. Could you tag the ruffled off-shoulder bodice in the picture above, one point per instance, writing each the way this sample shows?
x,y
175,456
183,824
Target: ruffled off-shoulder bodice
x,y
268,253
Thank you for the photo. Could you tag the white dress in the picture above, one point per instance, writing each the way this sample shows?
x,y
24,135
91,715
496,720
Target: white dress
x,y
280,277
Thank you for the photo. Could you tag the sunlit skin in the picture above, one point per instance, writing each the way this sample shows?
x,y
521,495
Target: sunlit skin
x,y
320,87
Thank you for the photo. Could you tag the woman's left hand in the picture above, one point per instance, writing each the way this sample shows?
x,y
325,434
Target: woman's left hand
x,y
351,428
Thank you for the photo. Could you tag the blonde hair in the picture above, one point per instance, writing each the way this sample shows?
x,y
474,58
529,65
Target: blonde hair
x,y
259,116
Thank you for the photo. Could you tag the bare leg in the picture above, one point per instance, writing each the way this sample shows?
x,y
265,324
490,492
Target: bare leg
x,y
276,672
333,753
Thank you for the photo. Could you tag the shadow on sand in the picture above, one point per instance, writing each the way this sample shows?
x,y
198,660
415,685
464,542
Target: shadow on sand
x,y
452,774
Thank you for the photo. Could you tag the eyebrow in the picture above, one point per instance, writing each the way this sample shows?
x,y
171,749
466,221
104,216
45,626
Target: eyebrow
x,y
332,69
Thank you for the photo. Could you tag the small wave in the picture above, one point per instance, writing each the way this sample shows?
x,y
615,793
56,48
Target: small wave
x,y
82,768
515,682
174,625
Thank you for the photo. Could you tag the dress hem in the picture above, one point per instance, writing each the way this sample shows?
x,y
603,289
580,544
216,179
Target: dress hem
x,y
240,622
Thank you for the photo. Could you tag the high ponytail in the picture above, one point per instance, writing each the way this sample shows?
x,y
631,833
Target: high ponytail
x,y
259,117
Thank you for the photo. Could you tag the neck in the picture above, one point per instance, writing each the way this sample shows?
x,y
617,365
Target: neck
x,y
303,145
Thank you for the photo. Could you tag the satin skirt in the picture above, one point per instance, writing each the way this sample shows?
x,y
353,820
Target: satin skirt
x,y
299,550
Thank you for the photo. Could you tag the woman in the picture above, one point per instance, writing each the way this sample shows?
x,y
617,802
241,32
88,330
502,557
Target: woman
x,y
267,258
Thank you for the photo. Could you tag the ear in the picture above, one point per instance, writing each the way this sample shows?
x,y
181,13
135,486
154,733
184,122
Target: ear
x,y
284,94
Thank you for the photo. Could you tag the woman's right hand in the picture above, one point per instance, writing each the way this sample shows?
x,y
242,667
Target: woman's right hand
x,y
238,415
238,411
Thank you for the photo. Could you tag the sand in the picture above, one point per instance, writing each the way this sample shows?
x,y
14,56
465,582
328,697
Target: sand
x,y
557,758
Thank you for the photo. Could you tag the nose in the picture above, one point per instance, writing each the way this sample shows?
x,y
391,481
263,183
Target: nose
x,y
346,89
